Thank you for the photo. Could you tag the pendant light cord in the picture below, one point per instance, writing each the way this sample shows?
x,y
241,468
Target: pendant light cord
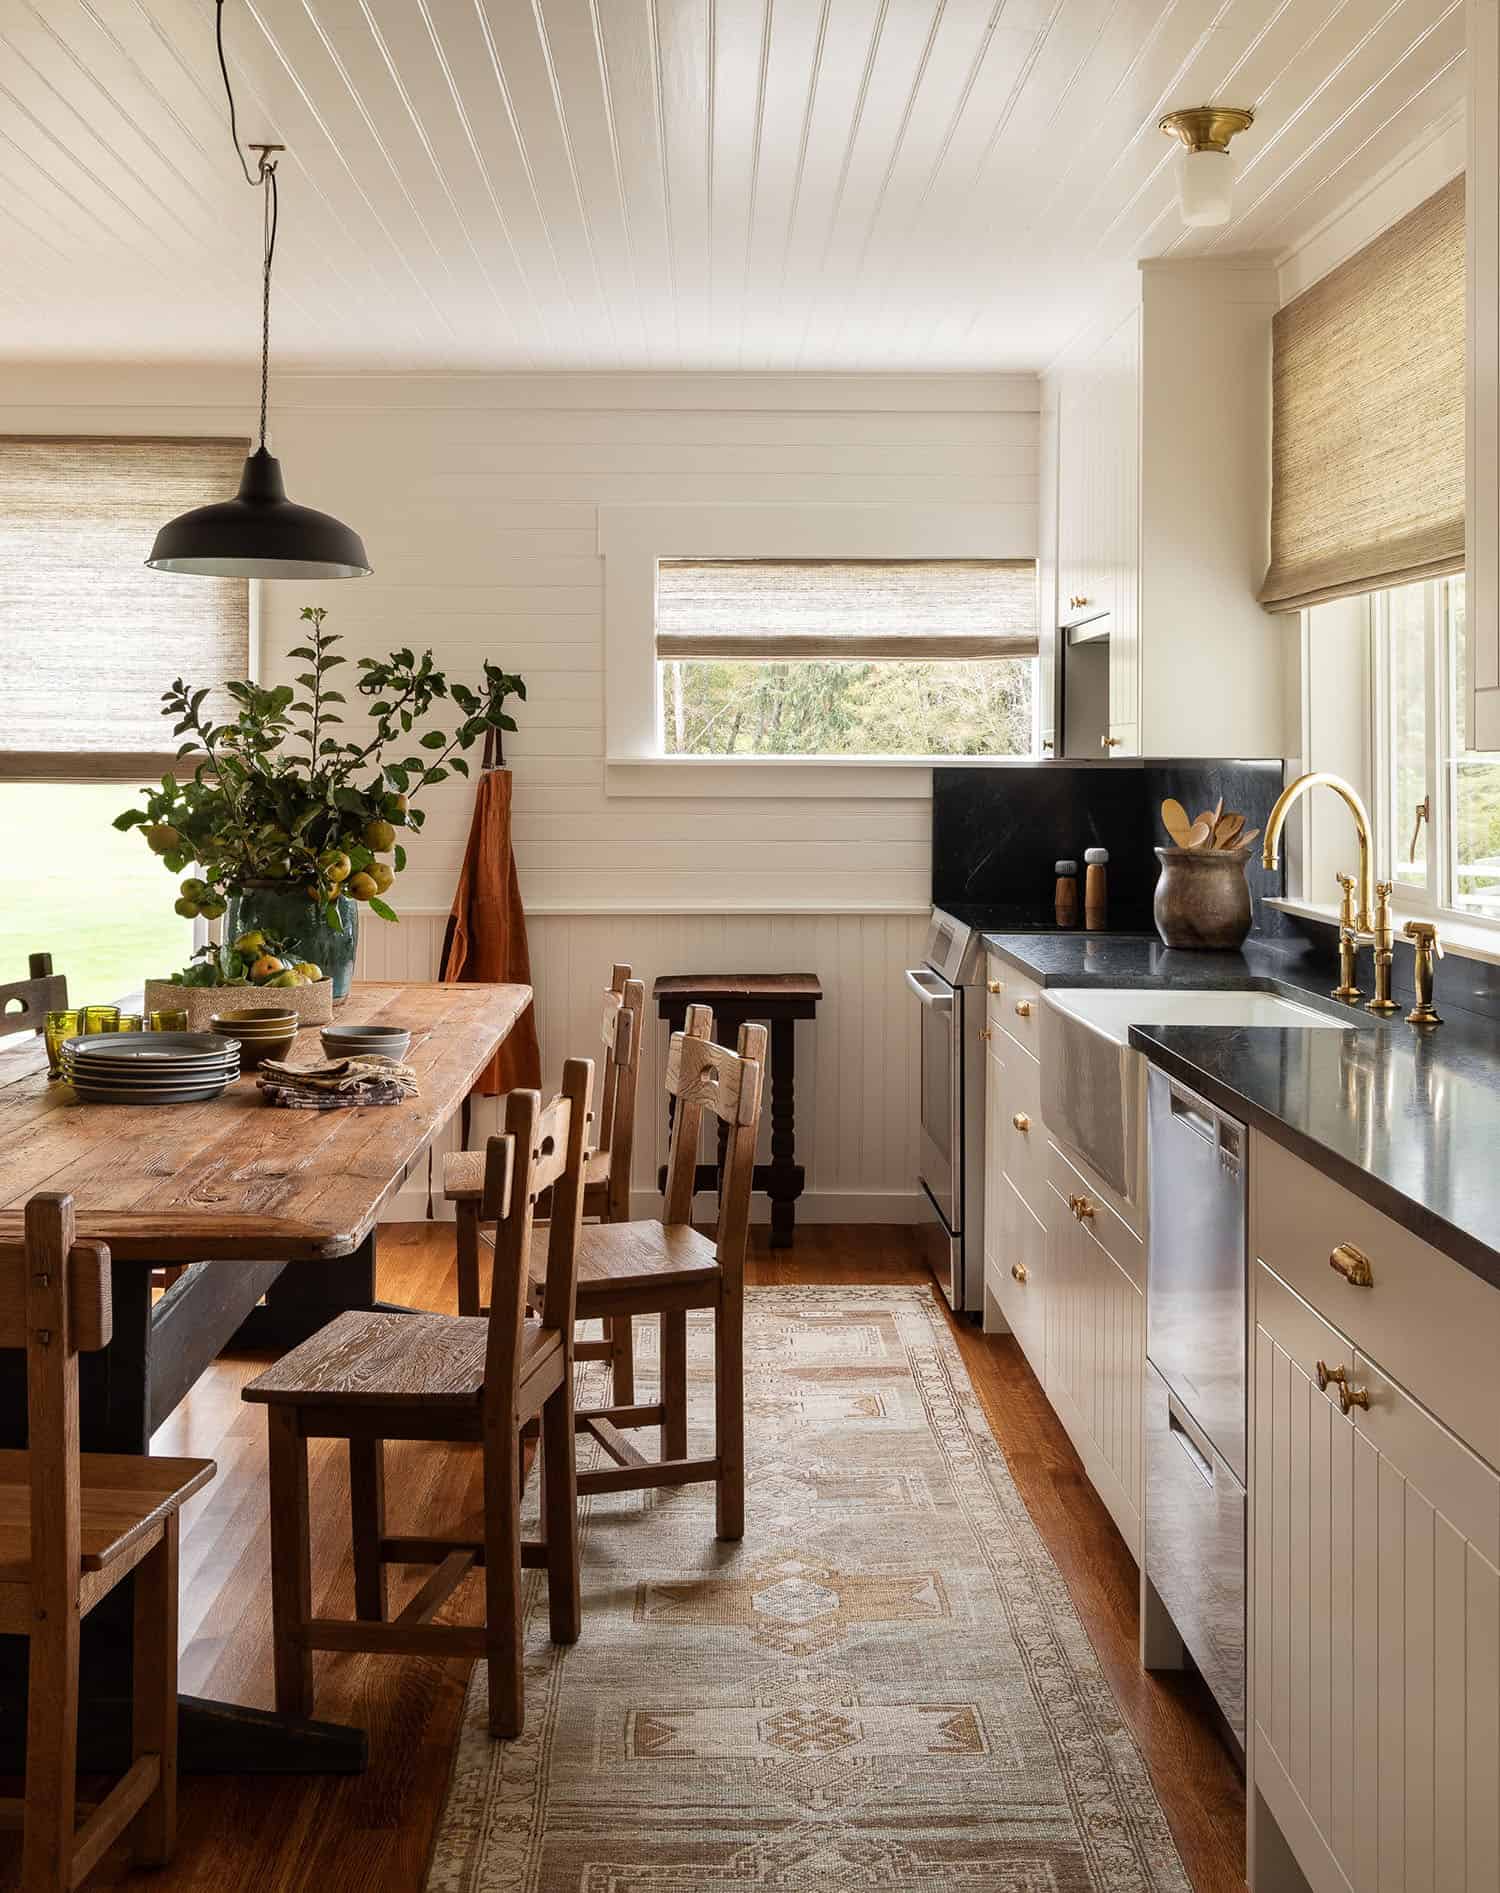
x,y
263,179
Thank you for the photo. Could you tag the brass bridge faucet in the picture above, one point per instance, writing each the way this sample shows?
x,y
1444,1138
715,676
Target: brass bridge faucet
x,y
1366,906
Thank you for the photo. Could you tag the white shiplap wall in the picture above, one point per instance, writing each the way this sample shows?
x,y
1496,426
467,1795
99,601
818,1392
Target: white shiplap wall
x,y
478,497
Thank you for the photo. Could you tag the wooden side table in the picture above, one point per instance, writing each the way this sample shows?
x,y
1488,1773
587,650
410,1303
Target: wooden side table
x,y
778,1000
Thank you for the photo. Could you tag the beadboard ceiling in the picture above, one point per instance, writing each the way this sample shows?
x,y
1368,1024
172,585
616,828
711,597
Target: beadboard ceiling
x,y
715,184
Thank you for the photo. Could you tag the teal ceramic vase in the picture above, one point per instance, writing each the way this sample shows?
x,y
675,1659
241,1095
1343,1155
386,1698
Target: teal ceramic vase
x,y
285,913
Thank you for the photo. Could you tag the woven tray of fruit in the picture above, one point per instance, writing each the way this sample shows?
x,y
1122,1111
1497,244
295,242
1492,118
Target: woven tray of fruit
x,y
240,969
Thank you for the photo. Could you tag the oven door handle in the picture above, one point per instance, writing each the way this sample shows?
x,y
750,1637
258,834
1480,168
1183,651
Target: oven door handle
x,y
939,1000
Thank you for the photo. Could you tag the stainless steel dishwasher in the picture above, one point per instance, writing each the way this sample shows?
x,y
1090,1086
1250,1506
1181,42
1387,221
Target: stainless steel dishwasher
x,y
1196,1300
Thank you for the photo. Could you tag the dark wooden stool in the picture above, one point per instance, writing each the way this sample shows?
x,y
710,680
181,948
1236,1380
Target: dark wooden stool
x,y
777,1000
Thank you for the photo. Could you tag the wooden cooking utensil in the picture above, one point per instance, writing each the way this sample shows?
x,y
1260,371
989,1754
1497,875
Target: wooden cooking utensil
x,y
1197,835
1174,818
1226,829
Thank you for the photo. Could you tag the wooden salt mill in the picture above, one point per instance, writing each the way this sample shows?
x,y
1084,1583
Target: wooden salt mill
x,y
1066,899
1095,889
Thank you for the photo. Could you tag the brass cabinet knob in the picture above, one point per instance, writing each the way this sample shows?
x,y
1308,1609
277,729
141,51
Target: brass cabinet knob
x,y
1110,742
994,986
1352,1397
1021,1121
1327,1374
1081,1207
1353,1264
1018,1271
1023,1008
985,1034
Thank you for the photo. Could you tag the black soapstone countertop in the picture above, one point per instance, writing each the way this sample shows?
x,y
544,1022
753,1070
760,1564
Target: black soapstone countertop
x,y
1407,1119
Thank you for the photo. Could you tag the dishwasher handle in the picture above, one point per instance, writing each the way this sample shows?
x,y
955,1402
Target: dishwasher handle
x,y
931,990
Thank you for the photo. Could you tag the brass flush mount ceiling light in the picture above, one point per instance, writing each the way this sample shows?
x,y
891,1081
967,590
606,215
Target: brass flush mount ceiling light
x,y
1205,176
260,533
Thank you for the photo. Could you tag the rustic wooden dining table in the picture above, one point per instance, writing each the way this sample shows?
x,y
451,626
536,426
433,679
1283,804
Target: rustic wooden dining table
x,y
274,1212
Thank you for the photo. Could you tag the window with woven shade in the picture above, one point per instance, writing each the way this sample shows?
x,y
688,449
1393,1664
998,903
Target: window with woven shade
x,y
89,638
829,657
846,609
1367,455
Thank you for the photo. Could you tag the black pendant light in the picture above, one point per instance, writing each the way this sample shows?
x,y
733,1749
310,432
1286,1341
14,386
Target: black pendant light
x,y
260,533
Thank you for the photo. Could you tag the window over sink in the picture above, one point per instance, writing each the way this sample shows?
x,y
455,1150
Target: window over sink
x,y
1435,804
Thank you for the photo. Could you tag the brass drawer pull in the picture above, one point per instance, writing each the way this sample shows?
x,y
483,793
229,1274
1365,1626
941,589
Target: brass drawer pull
x,y
985,1034
1023,1008
1018,1271
1021,1121
1353,1264
994,986
1352,1397
1081,1207
1327,1375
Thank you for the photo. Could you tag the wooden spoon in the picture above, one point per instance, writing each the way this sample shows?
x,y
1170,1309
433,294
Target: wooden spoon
x,y
1226,829
1208,818
1246,839
1174,819
1197,835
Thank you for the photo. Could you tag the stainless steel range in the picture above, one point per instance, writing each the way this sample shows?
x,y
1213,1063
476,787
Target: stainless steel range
x,y
949,987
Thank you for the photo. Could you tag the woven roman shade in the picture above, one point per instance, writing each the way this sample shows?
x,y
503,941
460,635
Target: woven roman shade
x,y
1367,453
89,638
779,609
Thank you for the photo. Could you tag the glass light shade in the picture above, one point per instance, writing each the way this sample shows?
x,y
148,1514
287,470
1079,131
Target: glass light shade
x,y
260,533
1205,187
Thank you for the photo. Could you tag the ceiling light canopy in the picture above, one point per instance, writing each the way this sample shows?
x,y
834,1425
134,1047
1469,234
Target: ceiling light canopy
x,y
260,533
1205,174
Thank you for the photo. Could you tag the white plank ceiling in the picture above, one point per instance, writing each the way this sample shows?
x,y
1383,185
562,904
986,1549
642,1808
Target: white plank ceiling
x,y
719,184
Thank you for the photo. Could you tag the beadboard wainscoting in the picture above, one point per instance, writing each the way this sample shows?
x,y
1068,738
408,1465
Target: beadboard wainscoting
x,y
857,1075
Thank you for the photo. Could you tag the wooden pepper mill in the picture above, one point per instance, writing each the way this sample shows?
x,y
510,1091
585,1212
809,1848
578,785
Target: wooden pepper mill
x,y
1095,889
1066,900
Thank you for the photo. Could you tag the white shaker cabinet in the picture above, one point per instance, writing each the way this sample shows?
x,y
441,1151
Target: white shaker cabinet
x,y
1163,510
1376,1586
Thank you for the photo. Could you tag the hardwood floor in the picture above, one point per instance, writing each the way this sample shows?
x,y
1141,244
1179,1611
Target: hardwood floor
x,y
371,1833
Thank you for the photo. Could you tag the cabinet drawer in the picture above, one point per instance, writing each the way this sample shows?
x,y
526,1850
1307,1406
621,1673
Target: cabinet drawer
x,y
1016,1273
1427,1320
1377,1622
1019,1137
1105,1225
1016,1006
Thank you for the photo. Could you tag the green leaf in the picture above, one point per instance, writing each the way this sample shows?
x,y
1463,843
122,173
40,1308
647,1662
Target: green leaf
x,y
301,650
399,857
378,906
434,739
132,818
460,765
435,775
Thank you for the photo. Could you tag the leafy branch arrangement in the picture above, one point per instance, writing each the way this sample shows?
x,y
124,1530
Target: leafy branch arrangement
x,y
279,794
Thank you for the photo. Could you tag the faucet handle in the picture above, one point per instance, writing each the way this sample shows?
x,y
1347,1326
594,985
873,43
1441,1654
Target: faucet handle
x,y
1424,935
1346,899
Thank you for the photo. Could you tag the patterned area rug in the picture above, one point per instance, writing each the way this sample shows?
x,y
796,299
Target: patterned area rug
x,y
884,1686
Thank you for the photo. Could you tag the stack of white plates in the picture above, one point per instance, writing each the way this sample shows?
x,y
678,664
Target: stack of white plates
x,y
150,1067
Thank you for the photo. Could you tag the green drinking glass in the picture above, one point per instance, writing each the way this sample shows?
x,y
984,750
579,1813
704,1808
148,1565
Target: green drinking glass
x,y
171,1019
56,1027
99,1019
130,1022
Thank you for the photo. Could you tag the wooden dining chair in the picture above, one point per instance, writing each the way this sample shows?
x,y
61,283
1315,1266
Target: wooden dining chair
x,y
369,1378
607,1178
667,1268
25,1003
71,1526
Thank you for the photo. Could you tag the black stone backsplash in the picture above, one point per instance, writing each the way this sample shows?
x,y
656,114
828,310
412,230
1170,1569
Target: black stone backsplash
x,y
997,833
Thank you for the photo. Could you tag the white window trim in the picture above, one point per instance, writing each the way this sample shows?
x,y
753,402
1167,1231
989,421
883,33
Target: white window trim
x,y
1467,934
632,539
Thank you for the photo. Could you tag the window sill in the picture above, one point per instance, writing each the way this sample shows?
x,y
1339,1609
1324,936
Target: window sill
x,y
907,778
1467,939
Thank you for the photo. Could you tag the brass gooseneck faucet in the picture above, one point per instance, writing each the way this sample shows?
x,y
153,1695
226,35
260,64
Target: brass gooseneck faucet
x,y
1371,904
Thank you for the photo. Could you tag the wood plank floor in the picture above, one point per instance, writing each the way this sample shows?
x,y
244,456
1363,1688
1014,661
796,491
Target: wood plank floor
x,y
371,1833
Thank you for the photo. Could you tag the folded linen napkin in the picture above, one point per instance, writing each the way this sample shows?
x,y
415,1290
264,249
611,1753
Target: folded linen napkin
x,y
341,1084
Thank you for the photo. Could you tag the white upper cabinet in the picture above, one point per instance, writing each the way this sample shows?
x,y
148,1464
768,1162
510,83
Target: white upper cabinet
x,y
1482,503
1163,505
